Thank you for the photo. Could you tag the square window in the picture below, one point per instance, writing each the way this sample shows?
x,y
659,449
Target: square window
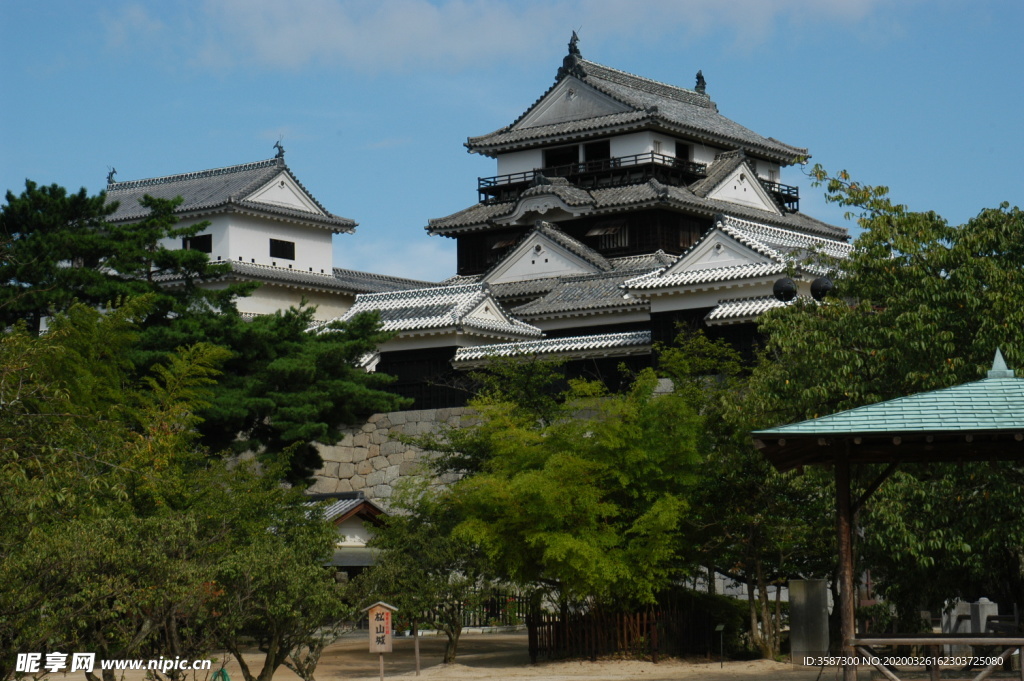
x,y
285,250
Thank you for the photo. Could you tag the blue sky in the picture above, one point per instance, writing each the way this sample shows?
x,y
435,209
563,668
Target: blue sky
x,y
374,100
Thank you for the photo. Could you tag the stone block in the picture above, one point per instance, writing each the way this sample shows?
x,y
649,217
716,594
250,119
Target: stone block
x,y
346,470
411,454
375,478
364,467
369,427
379,462
397,417
409,468
361,440
374,418
346,439
392,447
396,459
391,473
324,485
345,454
329,453
330,470
378,437
372,451
359,454
384,423
357,482
382,492
344,486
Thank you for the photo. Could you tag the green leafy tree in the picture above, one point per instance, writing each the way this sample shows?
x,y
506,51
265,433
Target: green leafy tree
x,y
123,536
59,249
746,520
425,570
920,305
282,387
589,499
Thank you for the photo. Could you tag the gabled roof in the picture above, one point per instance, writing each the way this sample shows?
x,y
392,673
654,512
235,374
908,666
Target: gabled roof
x,y
547,231
605,345
468,307
777,247
218,188
648,104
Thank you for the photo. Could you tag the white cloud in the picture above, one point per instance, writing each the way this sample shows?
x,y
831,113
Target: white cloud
x,y
129,24
453,34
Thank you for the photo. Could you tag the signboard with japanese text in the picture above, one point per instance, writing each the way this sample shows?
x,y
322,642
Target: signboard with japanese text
x,y
380,627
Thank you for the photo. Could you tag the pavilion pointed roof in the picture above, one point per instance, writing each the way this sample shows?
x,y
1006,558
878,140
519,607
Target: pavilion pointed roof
x,y
972,421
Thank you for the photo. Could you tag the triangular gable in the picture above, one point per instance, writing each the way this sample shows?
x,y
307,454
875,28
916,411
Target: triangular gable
x,y
570,100
538,256
742,187
489,311
284,191
716,250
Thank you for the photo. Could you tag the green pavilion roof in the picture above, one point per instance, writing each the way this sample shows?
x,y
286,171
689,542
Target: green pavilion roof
x,y
972,421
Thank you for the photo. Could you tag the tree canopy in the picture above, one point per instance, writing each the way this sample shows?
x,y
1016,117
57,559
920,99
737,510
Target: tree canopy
x,y
919,305
282,387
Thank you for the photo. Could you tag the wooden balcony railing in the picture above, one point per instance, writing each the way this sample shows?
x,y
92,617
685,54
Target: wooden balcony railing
x,y
609,172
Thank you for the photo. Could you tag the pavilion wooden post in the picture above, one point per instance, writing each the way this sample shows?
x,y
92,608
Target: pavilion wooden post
x,y
844,531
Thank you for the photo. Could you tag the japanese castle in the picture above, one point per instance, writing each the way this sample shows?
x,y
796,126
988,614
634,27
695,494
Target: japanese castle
x,y
622,209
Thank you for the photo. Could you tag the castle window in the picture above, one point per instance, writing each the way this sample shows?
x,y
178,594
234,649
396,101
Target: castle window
x,y
683,151
201,242
285,250
561,156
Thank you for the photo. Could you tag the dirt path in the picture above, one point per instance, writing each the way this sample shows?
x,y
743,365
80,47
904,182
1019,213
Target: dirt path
x,y
504,656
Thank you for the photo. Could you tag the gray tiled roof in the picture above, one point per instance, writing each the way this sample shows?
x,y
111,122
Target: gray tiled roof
x,y
437,308
582,293
209,189
611,344
661,279
653,104
343,506
741,309
651,193
368,282
518,289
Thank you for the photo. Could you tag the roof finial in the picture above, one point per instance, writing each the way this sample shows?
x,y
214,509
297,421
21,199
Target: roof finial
x,y
280,149
571,65
999,368
110,174
701,83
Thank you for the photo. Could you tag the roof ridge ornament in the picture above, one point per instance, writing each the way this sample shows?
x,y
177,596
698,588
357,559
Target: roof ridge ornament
x,y
280,149
571,63
999,368
701,83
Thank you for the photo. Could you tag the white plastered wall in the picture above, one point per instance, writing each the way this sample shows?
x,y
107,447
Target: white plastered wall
x,y
520,161
353,532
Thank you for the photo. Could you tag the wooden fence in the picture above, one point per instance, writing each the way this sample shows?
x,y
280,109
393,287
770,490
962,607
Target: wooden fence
x,y
669,629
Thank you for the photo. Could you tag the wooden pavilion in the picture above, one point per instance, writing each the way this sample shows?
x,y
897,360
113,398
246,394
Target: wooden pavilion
x,y
972,422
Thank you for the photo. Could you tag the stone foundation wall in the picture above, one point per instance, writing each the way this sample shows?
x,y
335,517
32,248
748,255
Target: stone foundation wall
x,y
372,457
